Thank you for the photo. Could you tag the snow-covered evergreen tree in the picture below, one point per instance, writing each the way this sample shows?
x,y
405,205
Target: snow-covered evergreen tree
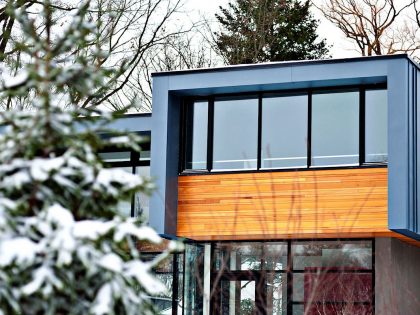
x,y
64,247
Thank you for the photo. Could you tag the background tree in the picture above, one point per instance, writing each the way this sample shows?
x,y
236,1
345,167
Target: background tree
x,y
127,30
64,246
417,14
267,30
181,51
377,27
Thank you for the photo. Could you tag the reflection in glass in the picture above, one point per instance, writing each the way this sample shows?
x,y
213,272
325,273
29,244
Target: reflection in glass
x,y
298,289
337,293
332,254
335,129
284,131
328,277
376,126
111,157
238,297
298,310
235,139
194,279
145,155
332,277
196,144
276,286
321,286
251,256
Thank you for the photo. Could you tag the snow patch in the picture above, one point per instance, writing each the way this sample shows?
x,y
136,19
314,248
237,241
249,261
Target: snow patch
x,y
41,168
42,276
20,250
60,216
142,232
140,271
111,262
15,81
91,229
103,301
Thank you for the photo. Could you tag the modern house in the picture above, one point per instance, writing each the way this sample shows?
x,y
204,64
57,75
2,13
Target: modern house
x,y
295,184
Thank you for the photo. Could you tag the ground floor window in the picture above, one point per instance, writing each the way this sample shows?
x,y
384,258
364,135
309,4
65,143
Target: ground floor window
x,y
289,277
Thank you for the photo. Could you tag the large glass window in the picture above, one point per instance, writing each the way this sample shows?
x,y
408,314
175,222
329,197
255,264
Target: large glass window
x,y
235,134
332,277
284,131
196,145
335,129
376,126
290,277
327,128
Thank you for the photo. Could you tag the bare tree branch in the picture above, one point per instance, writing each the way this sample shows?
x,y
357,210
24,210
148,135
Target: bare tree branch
x,y
127,31
376,27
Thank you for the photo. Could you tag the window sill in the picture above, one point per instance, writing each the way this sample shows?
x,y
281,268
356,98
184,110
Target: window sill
x,y
265,170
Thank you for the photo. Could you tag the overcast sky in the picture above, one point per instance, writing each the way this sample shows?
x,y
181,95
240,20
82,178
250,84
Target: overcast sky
x,y
341,48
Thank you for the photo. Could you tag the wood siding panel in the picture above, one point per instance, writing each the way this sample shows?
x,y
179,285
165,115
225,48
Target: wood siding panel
x,y
295,204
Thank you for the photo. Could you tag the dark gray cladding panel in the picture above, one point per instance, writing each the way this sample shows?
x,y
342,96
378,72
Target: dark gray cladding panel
x,y
133,123
397,277
404,149
417,131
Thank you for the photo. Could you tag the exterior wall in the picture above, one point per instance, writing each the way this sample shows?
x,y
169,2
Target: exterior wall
x,y
397,277
399,72
403,148
296,204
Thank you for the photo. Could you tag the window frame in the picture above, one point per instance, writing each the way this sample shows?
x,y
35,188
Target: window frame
x,y
361,122
251,96
305,93
189,101
187,127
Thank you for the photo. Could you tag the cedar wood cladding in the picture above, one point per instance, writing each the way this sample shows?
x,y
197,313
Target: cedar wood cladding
x,y
297,204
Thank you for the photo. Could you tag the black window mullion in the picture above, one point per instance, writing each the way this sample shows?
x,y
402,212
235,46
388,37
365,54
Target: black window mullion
x,y
175,284
183,281
210,133
373,274
289,278
212,279
134,160
362,124
259,131
309,139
